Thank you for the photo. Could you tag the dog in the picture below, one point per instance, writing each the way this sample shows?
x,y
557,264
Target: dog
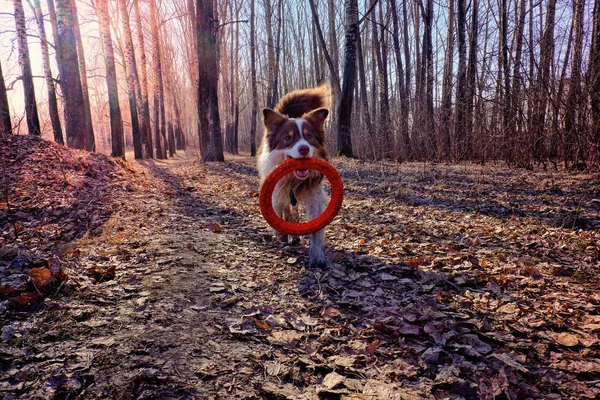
x,y
295,129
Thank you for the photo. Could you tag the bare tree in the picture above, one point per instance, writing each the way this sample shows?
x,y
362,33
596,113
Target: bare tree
x,y
52,102
208,100
472,69
573,129
159,98
344,136
132,81
31,112
594,79
90,141
538,120
446,106
5,124
116,121
460,131
145,128
254,111
68,66
403,143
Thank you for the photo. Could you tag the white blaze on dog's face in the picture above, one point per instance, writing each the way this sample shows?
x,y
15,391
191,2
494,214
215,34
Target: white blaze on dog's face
x,y
296,137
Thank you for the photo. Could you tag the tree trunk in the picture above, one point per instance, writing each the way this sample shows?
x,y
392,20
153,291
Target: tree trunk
x,y
428,78
403,147
573,132
132,78
363,93
460,131
446,106
5,124
146,126
31,112
68,66
159,111
208,98
546,54
406,53
344,137
52,102
90,141
315,55
472,71
236,80
335,80
594,80
511,134
254,111
333,43
116,121
271,64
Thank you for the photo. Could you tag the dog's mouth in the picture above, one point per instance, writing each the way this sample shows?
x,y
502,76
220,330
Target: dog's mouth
x,y
300,173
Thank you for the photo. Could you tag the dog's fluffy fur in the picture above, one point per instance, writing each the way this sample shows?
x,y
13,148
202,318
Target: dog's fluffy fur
x,y
295,129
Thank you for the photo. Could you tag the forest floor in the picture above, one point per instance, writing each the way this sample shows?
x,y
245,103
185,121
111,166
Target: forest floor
x,y
160,280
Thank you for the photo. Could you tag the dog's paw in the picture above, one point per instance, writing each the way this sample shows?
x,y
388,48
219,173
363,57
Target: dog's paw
x,y
316,257
318,265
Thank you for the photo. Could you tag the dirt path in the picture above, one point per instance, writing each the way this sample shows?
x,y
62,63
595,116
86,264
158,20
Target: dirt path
x,y
444,283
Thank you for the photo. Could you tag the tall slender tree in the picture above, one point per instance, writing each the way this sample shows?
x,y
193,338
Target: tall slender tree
x,y
446,106
594,79
472,69
157,89
574,148
90,141
116,120
132,78
344,136
538,120
68,66
460,131
427,13
208,100
31,112
512,133
52,102
5,124
254,112
146,127
403,143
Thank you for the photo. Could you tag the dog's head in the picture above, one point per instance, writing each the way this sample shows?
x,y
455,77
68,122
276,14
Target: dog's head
x,y
296,137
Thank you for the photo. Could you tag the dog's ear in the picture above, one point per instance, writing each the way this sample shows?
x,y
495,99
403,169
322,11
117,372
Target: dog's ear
x,y
272,119
317,117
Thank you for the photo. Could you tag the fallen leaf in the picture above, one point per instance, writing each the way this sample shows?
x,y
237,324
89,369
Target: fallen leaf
x,y
565,338
41,277
333,379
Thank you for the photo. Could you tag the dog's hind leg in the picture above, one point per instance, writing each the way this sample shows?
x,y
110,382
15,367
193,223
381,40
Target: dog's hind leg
x,y
315,205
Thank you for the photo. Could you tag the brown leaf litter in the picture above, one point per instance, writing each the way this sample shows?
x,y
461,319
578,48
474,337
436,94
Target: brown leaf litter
x,y
160,279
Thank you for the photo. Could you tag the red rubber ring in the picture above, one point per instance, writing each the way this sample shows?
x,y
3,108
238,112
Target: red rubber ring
x,y
305,228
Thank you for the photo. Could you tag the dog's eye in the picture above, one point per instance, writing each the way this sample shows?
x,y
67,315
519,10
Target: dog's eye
x,y
287,138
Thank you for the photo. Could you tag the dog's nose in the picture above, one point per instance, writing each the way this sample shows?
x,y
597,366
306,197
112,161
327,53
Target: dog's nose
x,y
304,150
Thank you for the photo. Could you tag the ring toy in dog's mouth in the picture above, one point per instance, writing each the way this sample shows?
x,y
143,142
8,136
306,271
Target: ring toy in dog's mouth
x,y
295,165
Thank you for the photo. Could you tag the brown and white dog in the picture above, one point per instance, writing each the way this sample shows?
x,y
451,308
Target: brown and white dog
x,y
295,129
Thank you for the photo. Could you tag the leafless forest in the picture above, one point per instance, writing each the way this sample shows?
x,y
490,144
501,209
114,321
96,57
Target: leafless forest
x,y
517,81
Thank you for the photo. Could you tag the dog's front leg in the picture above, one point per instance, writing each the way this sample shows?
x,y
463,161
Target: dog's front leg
x,y
282,207
315,205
